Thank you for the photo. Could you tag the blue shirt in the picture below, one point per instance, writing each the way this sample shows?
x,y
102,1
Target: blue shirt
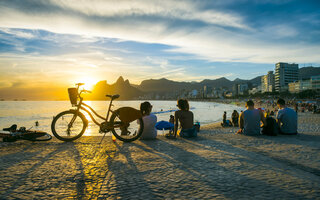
x,y
251,120
288,119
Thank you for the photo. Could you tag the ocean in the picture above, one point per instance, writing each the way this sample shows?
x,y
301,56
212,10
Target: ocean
x,y
26,113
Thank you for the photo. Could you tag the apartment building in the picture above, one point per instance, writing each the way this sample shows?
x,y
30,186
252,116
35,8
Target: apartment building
x,y
267,82
285,73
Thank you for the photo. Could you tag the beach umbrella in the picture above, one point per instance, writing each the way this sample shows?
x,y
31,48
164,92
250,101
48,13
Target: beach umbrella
x,y
164,125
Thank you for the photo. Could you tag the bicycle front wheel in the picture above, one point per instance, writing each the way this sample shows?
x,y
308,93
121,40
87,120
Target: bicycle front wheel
x,y
69,125
126,132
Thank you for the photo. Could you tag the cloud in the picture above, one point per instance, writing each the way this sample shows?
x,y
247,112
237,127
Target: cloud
x,y
184,10
17,33
106,39
280,31
211,33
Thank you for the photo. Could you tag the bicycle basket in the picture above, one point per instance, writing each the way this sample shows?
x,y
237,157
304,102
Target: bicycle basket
x,y
73,95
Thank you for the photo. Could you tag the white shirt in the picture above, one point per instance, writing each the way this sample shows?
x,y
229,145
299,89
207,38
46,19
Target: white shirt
x,y
149,130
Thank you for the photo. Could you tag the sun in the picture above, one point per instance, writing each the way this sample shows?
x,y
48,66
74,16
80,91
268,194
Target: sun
x,y
89,82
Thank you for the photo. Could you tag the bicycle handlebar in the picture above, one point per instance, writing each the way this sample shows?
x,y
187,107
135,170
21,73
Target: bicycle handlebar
x,y
87,91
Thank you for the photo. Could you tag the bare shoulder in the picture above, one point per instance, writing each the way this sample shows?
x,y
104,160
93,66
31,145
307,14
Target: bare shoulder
x,y
191,113
177,113
183,113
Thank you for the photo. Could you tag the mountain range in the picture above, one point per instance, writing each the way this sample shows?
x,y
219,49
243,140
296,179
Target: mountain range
x,y
163,86
121,86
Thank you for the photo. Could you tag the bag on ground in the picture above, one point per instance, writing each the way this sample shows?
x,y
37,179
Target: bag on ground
x,y
271,128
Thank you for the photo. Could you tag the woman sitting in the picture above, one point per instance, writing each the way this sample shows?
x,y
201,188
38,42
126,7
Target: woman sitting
x,y
149,122
185,117
235,118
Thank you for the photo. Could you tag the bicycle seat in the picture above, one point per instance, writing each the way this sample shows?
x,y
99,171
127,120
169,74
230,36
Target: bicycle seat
x,y
113,96
12,128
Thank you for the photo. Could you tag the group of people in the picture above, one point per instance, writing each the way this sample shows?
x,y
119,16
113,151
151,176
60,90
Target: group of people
x,y
234,117
249,120
182,117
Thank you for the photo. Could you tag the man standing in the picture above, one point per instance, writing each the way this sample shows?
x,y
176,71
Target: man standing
x,y
287,119
250,120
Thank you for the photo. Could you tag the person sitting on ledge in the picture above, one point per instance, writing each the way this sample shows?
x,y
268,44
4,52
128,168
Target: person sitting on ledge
x,y
149,121
287,119
185,117
249,120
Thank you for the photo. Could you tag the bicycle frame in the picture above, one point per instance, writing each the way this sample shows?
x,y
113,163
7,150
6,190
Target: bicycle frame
x,y
83,106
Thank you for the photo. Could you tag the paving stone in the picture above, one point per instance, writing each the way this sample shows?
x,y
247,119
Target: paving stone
x,y
216,165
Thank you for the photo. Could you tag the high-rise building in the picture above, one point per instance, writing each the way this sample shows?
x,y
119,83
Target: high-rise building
x,y
235,89
267,82
207,90
315,82
285,73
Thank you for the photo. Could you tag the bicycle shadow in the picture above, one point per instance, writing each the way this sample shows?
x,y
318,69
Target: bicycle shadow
x,y
122,183
46,181
10,159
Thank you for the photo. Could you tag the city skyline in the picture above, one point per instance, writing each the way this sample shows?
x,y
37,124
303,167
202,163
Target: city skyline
x,y
63,42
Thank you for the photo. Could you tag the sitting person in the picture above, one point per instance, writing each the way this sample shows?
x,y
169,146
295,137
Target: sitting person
x,y
267,114
225,121
185,117
171,120
250,120
149,122
287,119
272,113
235,118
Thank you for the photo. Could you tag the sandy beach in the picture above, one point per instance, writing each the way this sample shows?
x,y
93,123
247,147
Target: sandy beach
x,y
216,165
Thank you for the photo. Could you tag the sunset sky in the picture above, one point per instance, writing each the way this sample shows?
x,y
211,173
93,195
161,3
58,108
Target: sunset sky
x,y
55,43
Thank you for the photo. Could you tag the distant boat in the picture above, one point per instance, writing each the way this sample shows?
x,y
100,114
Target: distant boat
x,y
15,100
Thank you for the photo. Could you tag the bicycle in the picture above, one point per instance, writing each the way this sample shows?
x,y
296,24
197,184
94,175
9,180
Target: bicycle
x,y
71,124
12,134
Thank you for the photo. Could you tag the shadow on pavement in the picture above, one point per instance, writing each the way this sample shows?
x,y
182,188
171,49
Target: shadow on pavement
x,y
225,181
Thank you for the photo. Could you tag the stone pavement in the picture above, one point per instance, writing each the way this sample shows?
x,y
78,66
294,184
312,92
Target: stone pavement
x,y
212,166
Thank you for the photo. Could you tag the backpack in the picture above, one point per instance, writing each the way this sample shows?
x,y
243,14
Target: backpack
x,y
272,128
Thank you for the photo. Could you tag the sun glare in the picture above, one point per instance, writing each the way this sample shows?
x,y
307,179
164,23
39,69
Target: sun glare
x,y
89,82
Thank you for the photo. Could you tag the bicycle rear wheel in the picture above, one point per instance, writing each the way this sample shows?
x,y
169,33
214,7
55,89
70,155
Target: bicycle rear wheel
x,y
69,125
126,132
